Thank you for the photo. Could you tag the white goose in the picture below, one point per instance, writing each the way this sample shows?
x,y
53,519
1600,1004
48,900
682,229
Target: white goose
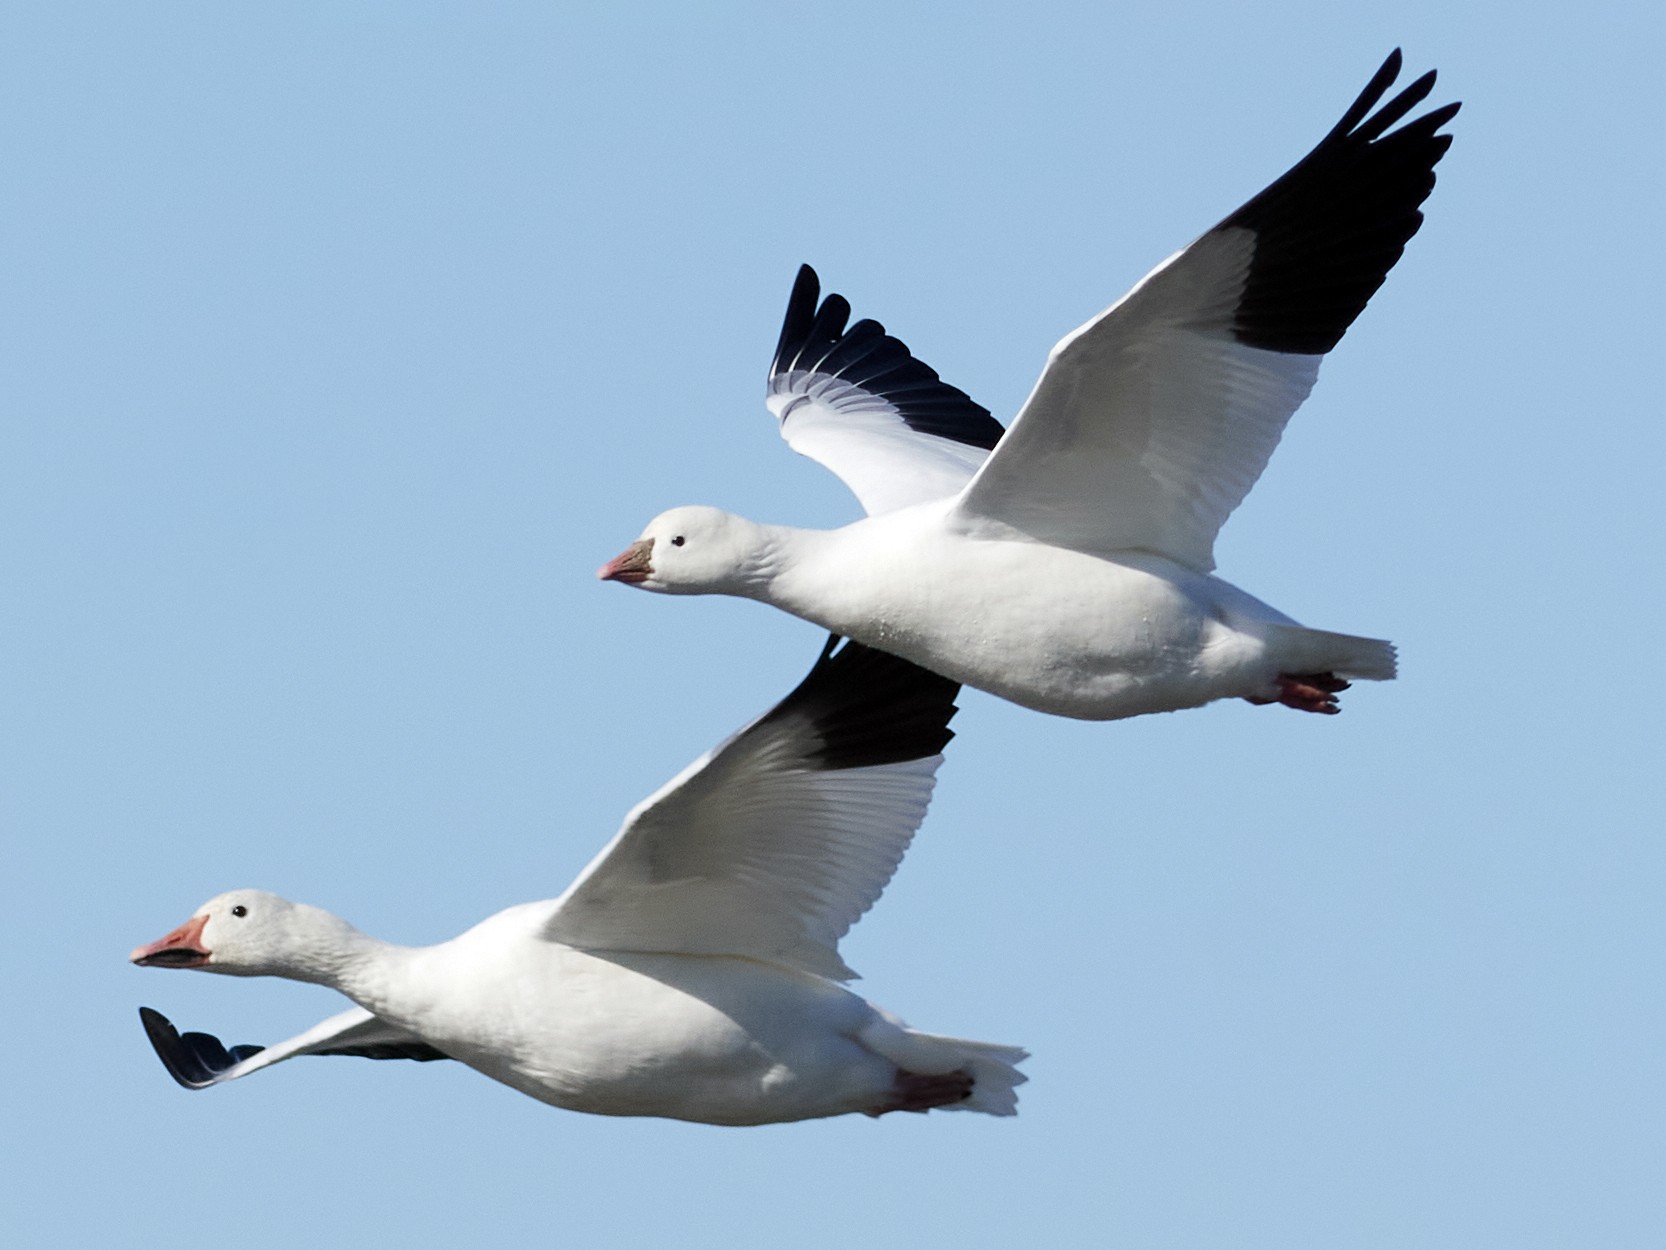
x,y
1069,570
691,971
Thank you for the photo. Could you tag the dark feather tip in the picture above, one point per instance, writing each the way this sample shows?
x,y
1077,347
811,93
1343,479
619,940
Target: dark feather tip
x,y
195,1060
1345,211
815,340
865,707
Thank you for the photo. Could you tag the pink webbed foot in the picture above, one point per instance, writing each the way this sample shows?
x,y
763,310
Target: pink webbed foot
x,y
916,1091
1308,692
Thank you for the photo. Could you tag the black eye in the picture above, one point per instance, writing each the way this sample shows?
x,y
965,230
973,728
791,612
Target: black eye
x,y
240,911
678,541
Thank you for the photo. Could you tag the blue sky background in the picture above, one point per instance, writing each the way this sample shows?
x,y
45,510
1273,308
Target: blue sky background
x,y
342,342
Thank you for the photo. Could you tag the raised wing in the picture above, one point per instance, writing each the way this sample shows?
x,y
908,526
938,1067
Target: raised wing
x,y
1151,422
198,1060
772,845
857,402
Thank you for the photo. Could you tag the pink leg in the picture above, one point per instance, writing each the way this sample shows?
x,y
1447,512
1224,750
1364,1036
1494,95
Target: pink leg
x,y
915,1091
1308,692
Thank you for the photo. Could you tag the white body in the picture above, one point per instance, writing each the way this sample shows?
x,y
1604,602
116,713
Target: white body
x,y
689,1037
1049,628
1054,629
691,971
1065,563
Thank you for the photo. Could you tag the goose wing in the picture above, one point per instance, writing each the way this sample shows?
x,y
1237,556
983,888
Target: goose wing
x,y
198,1060
1151,422
856,401
774,843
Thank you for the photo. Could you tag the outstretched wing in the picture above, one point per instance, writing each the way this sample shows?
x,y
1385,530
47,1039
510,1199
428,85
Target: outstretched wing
x,y
772,845
856,401
198,1060
1151,422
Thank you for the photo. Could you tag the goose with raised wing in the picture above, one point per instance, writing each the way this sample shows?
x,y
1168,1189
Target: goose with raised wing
x,y
691,971
1067,563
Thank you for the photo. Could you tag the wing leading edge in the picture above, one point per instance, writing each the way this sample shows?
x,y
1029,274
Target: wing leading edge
x,y
1150,423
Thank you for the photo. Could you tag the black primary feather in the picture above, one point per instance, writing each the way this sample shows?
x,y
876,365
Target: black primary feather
x,y
1329,230
864,707
815,340
198,1060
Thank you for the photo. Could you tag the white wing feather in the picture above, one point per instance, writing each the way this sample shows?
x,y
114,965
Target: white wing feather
x,y
763,848
199,1061
856,400
1150,423
863,440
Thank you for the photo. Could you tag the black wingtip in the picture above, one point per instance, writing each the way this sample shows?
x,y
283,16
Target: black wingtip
x,y
1365,122
867,707
195,1060
1367,99
801,311
1329,230
819,339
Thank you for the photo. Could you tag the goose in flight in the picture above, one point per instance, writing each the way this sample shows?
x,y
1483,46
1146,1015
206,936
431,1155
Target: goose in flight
x,y
1067,563
691,971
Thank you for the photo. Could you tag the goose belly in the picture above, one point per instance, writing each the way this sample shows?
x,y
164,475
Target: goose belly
x,y
1054,630
715,1040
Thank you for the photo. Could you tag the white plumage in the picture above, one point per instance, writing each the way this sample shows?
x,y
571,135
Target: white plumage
x,y
692,969
1065,563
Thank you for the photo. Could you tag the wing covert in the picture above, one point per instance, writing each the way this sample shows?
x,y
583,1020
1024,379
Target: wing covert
x,y
856,401
1150,423
773,844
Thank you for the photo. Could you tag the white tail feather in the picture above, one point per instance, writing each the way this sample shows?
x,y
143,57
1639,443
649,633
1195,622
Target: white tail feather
x,y
995,1075
1302,650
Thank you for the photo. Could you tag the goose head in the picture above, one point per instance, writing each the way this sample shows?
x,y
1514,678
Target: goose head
x,y
249,933
690,551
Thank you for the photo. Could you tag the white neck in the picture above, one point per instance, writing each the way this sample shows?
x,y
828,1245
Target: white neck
x,y
820,576
332,952
776,564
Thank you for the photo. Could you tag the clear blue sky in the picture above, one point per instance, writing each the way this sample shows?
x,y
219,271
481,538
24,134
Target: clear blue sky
x,y
342,342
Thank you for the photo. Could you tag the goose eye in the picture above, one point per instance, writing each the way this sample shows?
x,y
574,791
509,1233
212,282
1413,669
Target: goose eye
x,y
240,911
678,541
